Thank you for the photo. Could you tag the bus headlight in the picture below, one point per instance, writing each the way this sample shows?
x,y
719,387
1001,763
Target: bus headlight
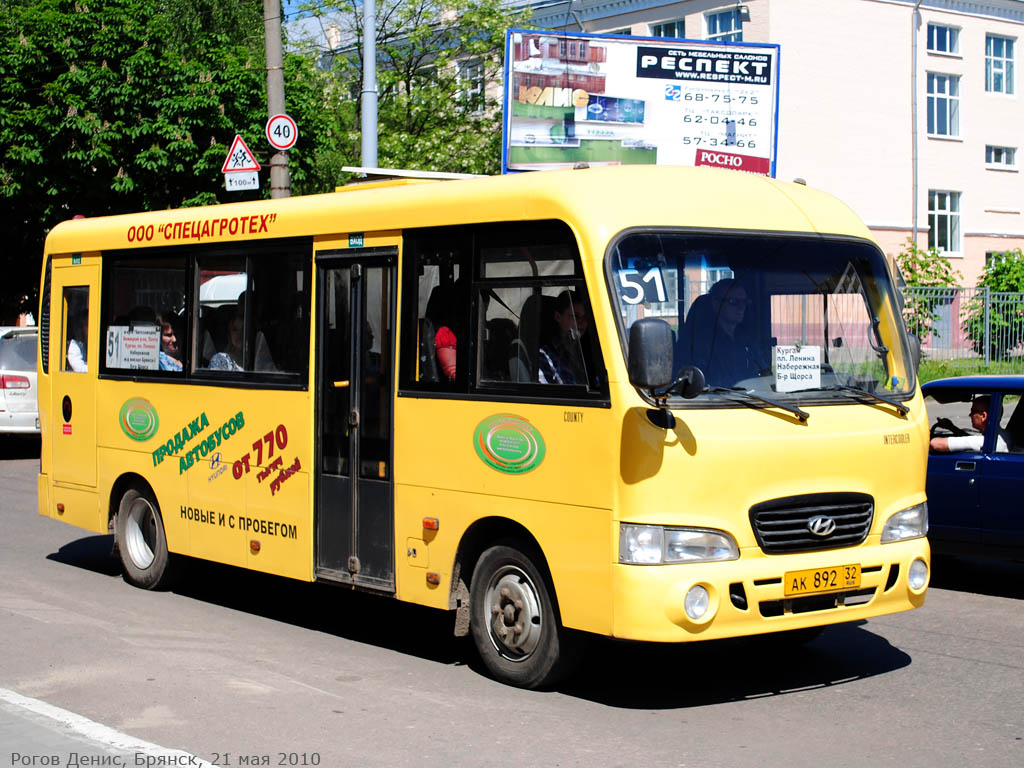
x,y
656,545
910,523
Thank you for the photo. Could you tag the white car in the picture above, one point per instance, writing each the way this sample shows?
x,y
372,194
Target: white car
x,y
19,409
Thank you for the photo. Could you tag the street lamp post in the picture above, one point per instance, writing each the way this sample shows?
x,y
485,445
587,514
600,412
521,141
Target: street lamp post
x,y
369,106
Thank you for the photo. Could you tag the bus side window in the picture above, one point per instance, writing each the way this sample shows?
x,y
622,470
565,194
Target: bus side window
x,y
442,316
144,323
535,326
76,329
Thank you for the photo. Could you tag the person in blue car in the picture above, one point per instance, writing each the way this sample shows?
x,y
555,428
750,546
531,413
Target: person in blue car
x,y
965,441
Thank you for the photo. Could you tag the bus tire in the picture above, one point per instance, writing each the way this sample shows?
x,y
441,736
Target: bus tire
x,y
514,620
141,541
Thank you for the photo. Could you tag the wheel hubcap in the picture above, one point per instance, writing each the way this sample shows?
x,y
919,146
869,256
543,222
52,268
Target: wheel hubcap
x,y
140,533
515,626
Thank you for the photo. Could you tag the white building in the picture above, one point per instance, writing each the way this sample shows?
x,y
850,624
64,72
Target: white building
x,y
849,91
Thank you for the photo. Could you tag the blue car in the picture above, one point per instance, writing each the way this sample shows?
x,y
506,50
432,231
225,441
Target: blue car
x,y
976,466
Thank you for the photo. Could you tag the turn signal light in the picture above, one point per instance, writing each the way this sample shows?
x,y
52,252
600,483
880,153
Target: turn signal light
x,y
60,509
254,546
431,524
433,579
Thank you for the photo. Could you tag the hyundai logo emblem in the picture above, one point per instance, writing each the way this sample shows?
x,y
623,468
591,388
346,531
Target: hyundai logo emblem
x,y
821,525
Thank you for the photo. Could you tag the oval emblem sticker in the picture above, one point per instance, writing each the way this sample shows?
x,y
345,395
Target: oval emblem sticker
x,y
509,444
138,419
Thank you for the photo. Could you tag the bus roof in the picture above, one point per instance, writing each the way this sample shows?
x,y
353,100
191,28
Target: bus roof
x,y
596,201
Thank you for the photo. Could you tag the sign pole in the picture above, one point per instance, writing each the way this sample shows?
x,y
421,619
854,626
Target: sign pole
x,y
280,179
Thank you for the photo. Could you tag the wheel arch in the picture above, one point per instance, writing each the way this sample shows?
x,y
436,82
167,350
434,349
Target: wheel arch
x,y
481,535
122,484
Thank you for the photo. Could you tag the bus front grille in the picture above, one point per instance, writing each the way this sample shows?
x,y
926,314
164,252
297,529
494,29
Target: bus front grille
x,y
810,522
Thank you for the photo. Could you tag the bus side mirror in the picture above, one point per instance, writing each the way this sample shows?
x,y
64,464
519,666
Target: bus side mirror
x,y
650,354
915,350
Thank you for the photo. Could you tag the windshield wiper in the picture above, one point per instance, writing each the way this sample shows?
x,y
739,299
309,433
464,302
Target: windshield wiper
x,y
903,410
747,395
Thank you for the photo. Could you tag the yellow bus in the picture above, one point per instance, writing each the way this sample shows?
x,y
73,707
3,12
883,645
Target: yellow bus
x,y
651,403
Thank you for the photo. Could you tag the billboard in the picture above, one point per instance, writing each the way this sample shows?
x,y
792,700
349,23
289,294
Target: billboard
x,y
610,100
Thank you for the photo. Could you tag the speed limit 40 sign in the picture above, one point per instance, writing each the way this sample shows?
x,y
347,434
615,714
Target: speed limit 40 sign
x,y
281,132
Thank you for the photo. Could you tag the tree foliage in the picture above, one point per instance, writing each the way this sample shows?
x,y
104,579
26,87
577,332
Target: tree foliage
x,y
432,56
1001,289
111,106
924,269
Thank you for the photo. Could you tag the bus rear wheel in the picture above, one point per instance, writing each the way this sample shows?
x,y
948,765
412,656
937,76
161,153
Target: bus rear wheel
x,y
514,621
141,541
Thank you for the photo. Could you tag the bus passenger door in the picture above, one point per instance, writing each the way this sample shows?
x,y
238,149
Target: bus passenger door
x,y
355,480
74,361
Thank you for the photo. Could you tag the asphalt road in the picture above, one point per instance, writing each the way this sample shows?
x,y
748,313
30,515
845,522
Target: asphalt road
x,y
245,665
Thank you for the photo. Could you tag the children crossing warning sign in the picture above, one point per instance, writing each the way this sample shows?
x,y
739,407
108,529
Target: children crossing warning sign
x,y
240,157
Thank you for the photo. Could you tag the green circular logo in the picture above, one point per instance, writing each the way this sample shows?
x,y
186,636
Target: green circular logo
x,y
509,444
138,419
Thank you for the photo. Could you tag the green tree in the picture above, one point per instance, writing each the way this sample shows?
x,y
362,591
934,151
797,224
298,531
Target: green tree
x,y
111,106
1003,277
439,75
924,269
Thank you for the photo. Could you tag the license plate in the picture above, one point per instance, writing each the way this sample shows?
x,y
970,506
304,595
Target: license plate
x,y
816,580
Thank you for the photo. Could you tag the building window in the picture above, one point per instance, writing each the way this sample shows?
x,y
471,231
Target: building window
x,y
725,26
944,221
943,105
943,39
471,83
623,31
998,64
669,29
1005,157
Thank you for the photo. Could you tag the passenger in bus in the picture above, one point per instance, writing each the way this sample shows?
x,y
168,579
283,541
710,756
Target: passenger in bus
x,y
501,334
722,348
561,355
232,358
170,350
77,348
442,312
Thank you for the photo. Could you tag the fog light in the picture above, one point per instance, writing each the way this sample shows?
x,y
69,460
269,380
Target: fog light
x,y
917,577
696,602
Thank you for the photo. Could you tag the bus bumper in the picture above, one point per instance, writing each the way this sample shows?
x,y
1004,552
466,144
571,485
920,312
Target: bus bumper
x,y
747,596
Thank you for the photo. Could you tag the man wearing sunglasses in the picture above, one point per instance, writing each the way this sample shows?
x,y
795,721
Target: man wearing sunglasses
x,y
962,440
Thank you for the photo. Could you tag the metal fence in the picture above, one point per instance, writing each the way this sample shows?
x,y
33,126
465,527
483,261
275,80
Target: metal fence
x,y
968,328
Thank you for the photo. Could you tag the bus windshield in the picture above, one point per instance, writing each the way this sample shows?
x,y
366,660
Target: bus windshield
x,y
801,317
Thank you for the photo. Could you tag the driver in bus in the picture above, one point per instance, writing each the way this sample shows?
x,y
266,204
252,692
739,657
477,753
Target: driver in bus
x,y
724,351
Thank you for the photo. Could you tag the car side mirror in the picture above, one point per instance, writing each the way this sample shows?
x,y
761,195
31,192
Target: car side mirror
x,y
650,354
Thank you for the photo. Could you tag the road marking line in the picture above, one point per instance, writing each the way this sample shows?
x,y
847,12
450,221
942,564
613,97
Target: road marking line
x,y
94,731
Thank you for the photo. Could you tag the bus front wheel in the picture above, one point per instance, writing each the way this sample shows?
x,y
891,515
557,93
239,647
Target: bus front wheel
x,y
514,622
141,540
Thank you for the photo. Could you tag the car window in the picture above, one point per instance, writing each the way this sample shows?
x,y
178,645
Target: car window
x,y
18,352
948,417
1012,422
